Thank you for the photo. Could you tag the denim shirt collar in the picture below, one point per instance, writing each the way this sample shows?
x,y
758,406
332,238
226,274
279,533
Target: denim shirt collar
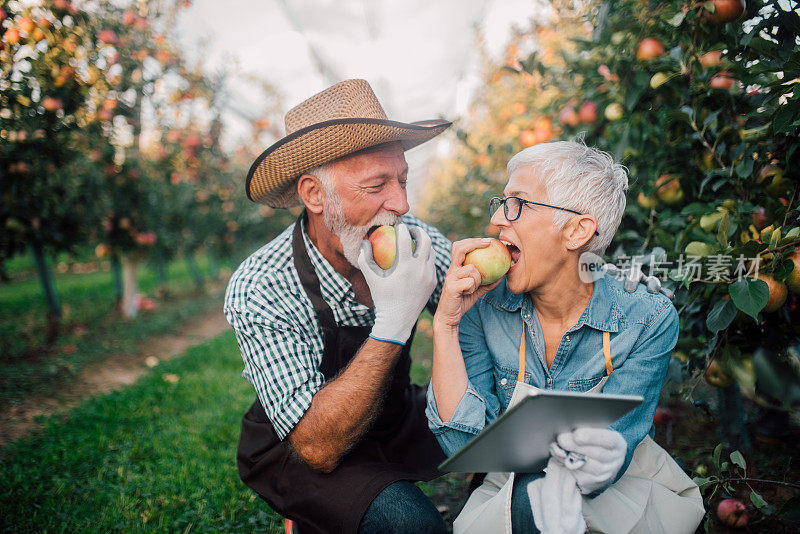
x,y
602,313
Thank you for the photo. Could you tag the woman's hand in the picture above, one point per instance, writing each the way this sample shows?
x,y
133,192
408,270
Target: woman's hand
x,y
462,285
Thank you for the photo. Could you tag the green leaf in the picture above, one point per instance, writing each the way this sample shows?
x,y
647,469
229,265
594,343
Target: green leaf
x,y
745,168
721,315
724,230
749,295
701,481
717,454
677,19
738,459
757,500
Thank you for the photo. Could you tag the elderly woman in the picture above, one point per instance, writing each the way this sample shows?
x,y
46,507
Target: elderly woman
x,y
547,327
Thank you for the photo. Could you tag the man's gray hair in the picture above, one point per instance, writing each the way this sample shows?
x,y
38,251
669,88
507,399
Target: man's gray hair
x,y
579,178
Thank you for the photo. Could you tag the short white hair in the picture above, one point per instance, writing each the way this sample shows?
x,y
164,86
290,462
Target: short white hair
x,y
580,178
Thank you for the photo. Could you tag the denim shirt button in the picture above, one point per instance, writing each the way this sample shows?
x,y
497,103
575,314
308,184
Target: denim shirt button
x,y
567,338
503,381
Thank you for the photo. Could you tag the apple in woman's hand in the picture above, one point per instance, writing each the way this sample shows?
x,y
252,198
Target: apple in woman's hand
x,y
492,262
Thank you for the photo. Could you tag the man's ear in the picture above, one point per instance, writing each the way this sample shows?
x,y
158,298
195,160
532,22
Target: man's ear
x,y
579,231
311,193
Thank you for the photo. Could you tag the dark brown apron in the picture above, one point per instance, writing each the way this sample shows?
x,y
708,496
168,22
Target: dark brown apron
x,y
398,446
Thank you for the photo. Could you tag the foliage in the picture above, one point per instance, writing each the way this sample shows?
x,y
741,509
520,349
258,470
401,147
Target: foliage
x,y
706,121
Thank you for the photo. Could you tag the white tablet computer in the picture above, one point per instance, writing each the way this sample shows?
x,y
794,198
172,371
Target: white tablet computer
x,y
519,440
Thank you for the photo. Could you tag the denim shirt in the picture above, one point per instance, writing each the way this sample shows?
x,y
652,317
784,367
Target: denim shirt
x,y
644,330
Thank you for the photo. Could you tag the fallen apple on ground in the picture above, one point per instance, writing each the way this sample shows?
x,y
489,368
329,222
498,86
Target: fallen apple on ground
x,y
492,262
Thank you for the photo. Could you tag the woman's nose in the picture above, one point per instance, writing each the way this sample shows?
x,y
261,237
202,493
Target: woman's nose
x,y
498,218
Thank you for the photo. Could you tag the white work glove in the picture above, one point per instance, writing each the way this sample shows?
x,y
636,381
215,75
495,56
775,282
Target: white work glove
x,y
594,456
634,276
400,293
556,502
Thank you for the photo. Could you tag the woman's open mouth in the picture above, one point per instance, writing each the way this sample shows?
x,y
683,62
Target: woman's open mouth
x,y
513,250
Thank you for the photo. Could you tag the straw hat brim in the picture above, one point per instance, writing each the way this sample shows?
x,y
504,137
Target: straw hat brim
x,y
271,179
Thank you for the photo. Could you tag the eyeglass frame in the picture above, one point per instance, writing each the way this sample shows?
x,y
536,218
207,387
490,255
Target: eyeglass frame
x,y
522,205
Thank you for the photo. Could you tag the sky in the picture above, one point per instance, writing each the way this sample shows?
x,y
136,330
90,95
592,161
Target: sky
x,y
419,56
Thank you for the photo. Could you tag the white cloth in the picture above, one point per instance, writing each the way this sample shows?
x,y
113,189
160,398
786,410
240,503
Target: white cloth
x,y
602,451
654,496
400,293
556,501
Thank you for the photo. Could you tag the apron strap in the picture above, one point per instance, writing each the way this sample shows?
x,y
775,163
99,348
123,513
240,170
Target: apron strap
x,y
607,352
521,374
308,276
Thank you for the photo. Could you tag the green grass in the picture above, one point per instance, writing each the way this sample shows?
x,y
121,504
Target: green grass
x,y
155,457
91,329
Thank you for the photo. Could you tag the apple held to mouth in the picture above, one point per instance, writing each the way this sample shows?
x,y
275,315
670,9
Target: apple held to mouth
x,y
492,262
384,245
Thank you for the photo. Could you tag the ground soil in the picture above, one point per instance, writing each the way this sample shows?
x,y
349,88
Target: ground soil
x,y
116,371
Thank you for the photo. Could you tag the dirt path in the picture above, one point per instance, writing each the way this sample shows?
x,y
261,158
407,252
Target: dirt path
x,y
116,371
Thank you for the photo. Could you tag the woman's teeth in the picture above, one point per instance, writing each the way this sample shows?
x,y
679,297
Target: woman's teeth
x,y
513,250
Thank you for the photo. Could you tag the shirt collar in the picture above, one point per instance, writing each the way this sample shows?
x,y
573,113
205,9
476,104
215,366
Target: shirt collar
x,y
602,313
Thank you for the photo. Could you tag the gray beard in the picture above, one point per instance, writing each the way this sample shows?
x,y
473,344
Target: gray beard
x,y
349,235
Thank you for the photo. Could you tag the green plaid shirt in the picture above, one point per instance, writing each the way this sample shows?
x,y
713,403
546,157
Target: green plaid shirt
x,y
277,329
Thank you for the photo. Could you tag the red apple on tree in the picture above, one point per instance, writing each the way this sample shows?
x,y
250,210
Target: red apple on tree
x,y
722,80
492,262
649,48
711,59
732,513
588,112
793,280
725,11
568,116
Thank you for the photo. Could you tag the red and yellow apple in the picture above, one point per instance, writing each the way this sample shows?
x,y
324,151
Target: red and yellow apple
x,y
777,292
384,245
649,48
711,59
492,262
717,376
793,280
614,112
569,117
725,11
668,189
722,80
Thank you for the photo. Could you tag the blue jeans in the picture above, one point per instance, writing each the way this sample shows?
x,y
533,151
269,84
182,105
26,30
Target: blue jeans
x,y
521,514
402,508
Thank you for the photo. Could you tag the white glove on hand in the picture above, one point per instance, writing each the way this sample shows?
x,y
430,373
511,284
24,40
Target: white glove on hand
x,y
594,456
399,293
556,502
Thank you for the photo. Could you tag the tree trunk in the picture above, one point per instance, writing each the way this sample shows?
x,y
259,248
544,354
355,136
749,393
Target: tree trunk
x,y
129,308
116,277
161,273
49,288
213,265
194,270
731,420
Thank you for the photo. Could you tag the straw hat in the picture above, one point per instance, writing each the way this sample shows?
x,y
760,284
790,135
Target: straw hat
x,y
342,119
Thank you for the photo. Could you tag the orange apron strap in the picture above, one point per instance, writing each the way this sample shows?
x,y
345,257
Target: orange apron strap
x,y
521,374
607,352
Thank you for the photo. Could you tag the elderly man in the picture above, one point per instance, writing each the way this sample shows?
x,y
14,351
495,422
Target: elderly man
x,y
337,433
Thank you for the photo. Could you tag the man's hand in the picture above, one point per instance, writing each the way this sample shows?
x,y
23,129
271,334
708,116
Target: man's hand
x,y
593,455
400,293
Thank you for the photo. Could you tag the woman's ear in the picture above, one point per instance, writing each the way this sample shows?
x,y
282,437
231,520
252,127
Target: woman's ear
x,y
579,230
310,191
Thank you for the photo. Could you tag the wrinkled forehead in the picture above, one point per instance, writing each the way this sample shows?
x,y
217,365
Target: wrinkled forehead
x,y
525,182
386,158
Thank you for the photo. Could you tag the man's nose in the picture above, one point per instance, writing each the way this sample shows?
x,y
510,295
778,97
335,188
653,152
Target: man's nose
x,y
396,200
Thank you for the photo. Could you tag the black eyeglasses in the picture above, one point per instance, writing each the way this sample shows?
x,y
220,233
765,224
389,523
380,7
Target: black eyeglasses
x,y
512,207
